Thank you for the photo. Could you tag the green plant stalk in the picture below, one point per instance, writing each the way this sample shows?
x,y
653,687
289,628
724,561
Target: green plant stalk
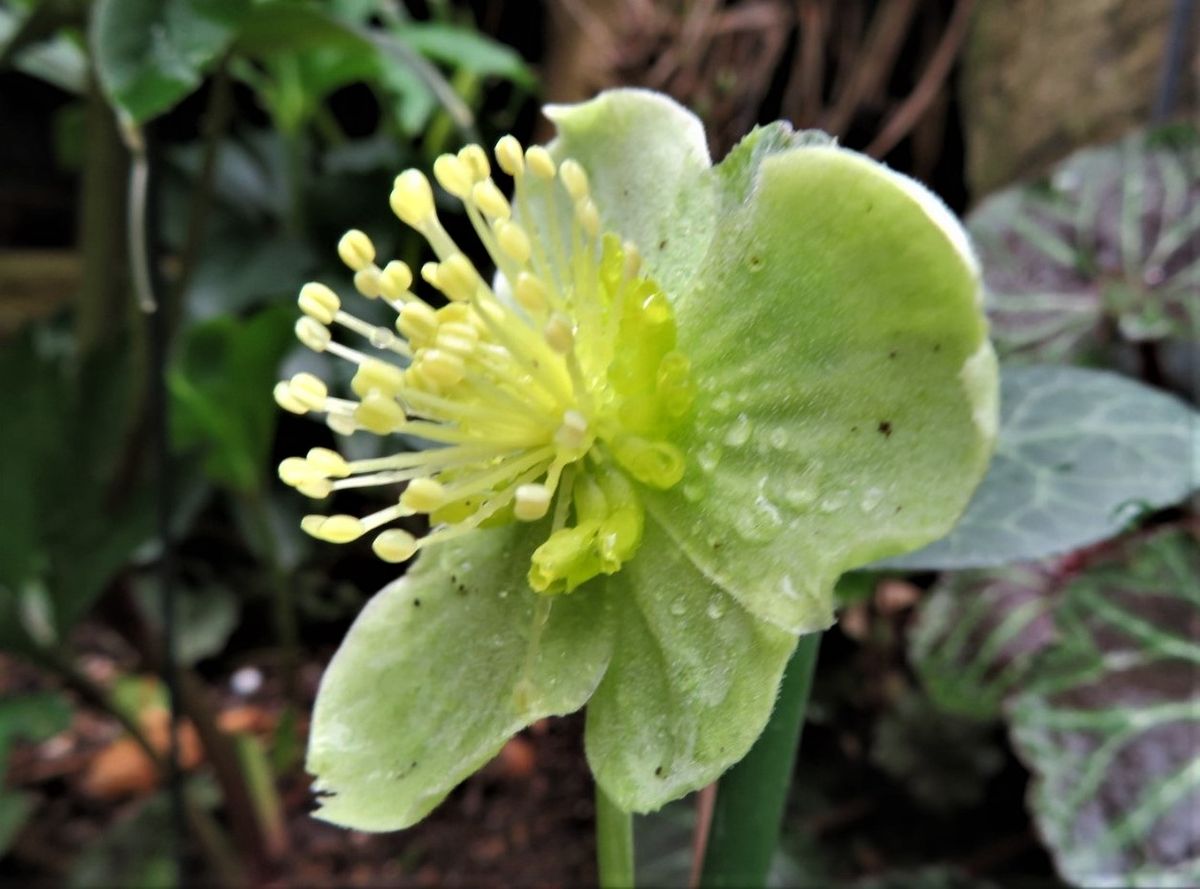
x,y
614,843
750,797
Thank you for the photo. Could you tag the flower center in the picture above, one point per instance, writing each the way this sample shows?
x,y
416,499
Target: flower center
x,y
542,396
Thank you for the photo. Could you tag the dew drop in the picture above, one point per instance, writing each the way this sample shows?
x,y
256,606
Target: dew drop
x,y
693,491
871,499
715,610
739,433
800,496
759,523
832,502
708,457
778,438
722,403
678,608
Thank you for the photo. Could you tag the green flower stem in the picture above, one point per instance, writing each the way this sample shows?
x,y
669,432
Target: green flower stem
x,y
751,796
614,843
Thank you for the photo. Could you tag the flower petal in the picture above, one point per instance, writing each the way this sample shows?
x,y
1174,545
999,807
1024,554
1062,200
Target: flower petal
x,y
692,681
848,391
421,692
646,157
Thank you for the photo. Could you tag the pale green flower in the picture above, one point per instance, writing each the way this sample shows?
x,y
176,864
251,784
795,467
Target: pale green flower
x,y
692,398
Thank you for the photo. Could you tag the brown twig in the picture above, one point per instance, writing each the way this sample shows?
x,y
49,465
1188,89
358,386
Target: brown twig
x,y
706,800
873,62
919,100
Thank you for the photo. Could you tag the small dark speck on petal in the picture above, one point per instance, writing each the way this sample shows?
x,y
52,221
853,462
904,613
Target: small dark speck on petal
x,y
885,428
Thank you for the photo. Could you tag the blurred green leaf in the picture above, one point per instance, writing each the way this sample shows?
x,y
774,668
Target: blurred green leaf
x,y
1080,455
15,809
979,634
67,529
135,852
35,46
1110,725
31,717
466,48
1107,247
221,389
206,617
150,54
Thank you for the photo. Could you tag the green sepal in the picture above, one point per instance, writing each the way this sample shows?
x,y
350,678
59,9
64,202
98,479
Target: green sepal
x,y
425,688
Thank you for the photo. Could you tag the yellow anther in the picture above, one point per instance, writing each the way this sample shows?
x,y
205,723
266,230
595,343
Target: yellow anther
x,y
454,175
429,273
559,333
334,528
540,163
513,241
530,292
309,391
394,545
476,159
319,302
287,401
458,338
395,279
412,198
531,502
316,488
457,278
490,200
295,470
588,216
312,333
328,463
456,313
574,179
418,322
356,250
423,495
442,368
368,282
573,433
379,413
374,375
509,156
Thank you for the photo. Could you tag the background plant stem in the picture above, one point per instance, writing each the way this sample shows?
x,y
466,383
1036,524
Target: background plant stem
x,y
751,796
614,843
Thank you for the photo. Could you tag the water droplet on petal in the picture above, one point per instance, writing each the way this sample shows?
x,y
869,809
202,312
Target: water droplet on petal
x,y
778,438
715,610
870,499
693,491
800,495
678,608
739,433
832,502
760,523
708,457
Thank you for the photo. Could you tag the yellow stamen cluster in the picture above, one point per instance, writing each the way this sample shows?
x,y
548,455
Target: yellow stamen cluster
x,y
542,396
